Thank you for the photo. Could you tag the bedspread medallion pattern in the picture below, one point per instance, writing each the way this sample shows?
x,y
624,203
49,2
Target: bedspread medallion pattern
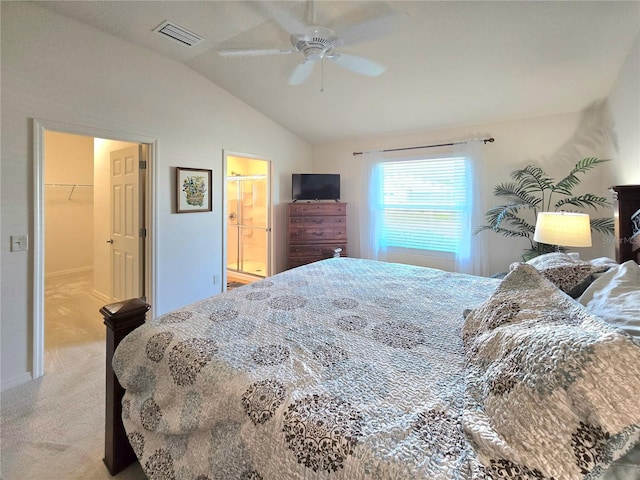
x,y
341,369
552,391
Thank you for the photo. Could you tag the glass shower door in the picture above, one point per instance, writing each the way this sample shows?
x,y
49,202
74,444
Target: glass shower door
x,y
247,225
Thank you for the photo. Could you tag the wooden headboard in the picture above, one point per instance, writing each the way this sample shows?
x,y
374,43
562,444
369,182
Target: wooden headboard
x,y
626,215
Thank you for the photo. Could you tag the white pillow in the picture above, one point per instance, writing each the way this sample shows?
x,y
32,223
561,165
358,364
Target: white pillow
x,y
615,297
604,262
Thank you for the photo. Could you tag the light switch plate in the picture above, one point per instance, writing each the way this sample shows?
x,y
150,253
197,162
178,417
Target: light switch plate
x,y
19,243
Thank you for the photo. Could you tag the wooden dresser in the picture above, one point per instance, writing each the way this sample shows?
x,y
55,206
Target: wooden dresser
x,y
314,231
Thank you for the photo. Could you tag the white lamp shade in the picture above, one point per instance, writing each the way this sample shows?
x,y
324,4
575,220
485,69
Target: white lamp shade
x,y
563,228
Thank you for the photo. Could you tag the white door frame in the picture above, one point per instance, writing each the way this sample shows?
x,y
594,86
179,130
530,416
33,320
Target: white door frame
x,y
150,261
225,213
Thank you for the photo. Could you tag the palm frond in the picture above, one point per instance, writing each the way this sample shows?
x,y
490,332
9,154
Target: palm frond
x,y
587,200
495,215
510,233
532,177
482,228
521,224
603,225
568,183
515,193
504,231
514,224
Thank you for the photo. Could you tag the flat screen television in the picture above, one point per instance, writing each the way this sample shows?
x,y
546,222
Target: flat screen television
x,y
315,186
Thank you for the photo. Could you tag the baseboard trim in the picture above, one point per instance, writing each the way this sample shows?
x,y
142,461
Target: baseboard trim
x,y
15,381
101,296
68,272
242,277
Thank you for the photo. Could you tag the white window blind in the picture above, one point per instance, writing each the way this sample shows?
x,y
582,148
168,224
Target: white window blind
x,y
422,203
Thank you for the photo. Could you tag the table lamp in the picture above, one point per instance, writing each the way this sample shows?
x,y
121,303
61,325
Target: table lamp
x,y
563,229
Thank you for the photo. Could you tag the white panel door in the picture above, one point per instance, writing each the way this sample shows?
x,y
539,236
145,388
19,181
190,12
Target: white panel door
x,y
125,224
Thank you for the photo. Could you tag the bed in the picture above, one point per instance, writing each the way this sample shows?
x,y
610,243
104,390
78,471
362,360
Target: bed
x,y
354,369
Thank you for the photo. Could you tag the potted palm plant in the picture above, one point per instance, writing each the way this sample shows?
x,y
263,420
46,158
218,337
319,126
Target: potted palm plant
x,y
531,191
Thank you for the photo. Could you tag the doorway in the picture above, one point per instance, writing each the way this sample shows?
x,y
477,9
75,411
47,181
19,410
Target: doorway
x,y
75,256
248,229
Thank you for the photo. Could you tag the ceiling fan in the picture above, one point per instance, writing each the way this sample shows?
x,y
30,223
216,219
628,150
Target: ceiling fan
x,y
317,43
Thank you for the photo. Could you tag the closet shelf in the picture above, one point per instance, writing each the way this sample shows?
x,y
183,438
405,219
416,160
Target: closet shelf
x,y
68,185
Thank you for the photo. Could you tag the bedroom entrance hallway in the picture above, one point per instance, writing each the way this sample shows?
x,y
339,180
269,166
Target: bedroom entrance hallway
x,y
247,208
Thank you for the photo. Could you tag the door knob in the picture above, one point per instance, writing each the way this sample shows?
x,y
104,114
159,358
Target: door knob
x,y
110,241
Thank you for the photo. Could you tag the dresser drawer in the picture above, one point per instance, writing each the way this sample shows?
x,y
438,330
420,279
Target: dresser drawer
x,y
305,254
316,234
303,209
324,220
317,251
299,261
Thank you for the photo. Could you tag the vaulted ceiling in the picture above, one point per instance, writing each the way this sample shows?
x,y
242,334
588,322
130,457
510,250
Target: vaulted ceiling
x,y
448,63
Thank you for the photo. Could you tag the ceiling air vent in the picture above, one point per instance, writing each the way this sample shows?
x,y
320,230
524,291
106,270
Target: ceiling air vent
x,y
178,34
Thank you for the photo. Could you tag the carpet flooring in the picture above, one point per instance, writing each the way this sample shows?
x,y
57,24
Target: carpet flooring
x,y
52,428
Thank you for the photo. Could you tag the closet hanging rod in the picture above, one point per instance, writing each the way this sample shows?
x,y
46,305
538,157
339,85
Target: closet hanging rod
x,y
68,185
485,140
72,185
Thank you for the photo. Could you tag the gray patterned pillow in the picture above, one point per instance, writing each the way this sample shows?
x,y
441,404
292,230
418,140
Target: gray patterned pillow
x,y
551,391
571,279
566,271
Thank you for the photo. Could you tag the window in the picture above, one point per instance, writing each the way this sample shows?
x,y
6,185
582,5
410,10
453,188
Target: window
x,y
422,203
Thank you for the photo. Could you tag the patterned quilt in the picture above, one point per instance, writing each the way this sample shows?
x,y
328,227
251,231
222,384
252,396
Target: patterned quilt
x,y
341,369
552,392
354,369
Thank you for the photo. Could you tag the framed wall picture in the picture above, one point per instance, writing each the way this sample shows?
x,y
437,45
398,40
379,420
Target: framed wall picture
x,y
193,190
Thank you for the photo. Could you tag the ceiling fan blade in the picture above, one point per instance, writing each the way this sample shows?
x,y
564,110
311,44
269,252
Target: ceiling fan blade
x,y
357,64
371,29
301,73
239,52
282,17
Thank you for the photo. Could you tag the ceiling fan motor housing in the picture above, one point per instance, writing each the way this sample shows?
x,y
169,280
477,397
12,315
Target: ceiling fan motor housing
x,y
316,44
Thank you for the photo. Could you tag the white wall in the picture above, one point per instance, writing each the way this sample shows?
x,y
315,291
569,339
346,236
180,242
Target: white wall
x,y
68,211
556,143
624,103
59,70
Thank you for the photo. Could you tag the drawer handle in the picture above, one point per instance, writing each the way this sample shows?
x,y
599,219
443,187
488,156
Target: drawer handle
x,y
318,234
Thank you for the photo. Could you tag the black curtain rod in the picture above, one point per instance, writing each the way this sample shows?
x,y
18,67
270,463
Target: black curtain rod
x,y
486,140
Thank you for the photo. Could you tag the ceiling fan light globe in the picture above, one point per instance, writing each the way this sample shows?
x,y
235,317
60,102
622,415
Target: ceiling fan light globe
x,y
314,54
